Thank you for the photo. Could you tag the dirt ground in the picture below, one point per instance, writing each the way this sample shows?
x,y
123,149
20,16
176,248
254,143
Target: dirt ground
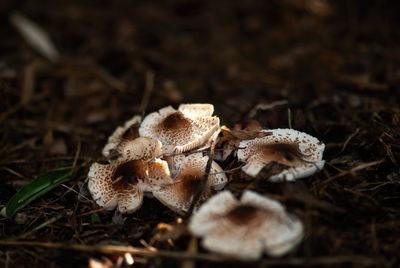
x,y
331,67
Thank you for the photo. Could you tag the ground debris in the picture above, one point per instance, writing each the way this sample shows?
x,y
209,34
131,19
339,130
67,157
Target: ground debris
x,y
262,64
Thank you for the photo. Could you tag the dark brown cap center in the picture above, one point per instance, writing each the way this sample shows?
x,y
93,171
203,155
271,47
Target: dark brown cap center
x,y
128,174
176,120
243,214
283,152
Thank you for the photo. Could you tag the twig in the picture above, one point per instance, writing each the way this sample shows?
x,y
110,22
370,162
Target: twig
x,y
352,135
52,220
192,248
263,107
350,171
75,191
147,91
57,158
10,111
14,172
91,212
200,189
388,151
364,260
28,80
289,118
78,151
113,249
108,78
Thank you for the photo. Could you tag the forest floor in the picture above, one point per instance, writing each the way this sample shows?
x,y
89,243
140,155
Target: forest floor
x,y
331,67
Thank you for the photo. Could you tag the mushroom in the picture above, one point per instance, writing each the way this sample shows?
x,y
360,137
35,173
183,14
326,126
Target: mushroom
x,y
298,153
190,181
180,130
127,132
122,184
246,228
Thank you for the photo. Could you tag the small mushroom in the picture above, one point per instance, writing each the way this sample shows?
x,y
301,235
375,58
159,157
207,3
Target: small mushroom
x,y
190,181
298,153
127,132
180,130
123,184
246,228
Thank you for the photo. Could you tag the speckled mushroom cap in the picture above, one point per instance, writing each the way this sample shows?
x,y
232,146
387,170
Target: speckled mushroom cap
x,y
179,195
128,131
246,228
298,152
139,148
197,109
180,130
123,184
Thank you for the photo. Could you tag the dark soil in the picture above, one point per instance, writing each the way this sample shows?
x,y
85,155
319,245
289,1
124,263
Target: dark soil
x,y
335,65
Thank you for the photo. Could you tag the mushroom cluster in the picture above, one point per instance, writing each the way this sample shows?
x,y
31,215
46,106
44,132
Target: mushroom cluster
x,y
146,156
162,155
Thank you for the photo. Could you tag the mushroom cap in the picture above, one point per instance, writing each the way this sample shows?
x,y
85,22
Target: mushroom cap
x,y
180,130
179,195
197,109
139,148
100,185
300,152
247,228
110,193
175,163
121,133
123,184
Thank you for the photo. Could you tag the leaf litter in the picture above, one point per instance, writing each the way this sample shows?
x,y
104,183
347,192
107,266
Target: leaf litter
x,y
339,86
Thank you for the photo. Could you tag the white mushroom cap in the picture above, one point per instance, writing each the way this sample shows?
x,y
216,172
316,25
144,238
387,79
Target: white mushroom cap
x,y
139,148
175,163
179,195
100,186
122,185
247,228
300,152
197,109
180,130
120,133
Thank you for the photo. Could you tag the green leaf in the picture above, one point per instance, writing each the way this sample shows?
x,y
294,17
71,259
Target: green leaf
x,y
95,218
36,188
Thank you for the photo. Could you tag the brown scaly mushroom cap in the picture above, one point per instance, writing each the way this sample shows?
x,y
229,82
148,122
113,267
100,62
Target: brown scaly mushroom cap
x,y
128,131
123,184
139,148
246,228
179,195
298,151
180,130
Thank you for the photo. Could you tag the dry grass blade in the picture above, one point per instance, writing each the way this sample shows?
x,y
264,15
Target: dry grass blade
x,y
350,171
35,36
41,226
147,92
264,107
